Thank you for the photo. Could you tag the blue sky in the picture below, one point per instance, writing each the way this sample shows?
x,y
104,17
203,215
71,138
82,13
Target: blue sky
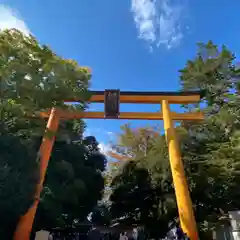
x,y
129,44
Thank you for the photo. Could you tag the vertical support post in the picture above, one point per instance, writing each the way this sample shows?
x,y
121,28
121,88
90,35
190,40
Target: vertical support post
x,y
24,226
184,203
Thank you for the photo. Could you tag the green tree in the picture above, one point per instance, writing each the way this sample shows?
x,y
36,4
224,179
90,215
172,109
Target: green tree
x,y
211,151
73,185
35,78
101,214
18,178
142,189
32,79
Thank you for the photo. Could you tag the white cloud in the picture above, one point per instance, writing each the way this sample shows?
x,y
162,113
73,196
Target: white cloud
x,y
104,148
9,18
159,22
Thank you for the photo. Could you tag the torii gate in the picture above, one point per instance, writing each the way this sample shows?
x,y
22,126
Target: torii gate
x,y
112,100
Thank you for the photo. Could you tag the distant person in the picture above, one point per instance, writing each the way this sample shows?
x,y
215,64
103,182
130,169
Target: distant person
x,y
123,236
135,234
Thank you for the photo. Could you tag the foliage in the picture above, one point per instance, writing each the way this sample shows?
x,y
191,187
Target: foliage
x,y
101,215
211,151
18,178
33,78
142,189
73,185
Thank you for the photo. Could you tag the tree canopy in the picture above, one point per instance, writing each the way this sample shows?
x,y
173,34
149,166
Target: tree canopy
x,y
18,178
74,183
142,189
33,78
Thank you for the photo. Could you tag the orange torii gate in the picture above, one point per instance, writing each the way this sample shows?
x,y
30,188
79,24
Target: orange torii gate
x,y
112,100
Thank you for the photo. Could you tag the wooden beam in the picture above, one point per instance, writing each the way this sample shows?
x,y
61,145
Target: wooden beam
x,y
147,97
126,115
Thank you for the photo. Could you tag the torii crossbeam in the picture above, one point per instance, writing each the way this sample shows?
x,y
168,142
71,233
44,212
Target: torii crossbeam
x,y
112,100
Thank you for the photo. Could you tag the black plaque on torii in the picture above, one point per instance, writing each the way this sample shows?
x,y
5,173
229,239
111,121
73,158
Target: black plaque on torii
x,y
112,103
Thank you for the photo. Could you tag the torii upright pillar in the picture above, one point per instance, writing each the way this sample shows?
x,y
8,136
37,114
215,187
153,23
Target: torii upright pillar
x,y
25,224
185,209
